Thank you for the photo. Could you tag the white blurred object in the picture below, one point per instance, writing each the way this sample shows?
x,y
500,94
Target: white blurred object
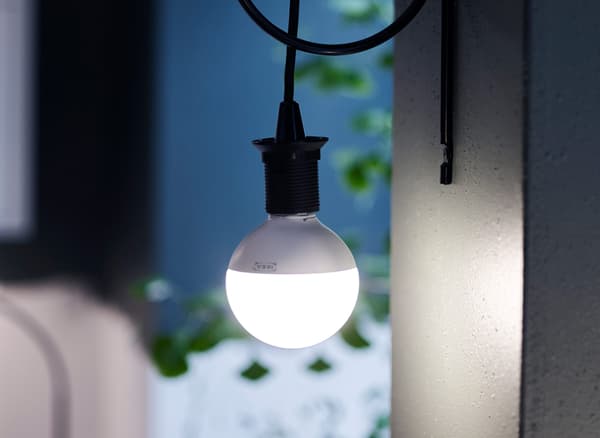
x,y
106,366
212,400
16,127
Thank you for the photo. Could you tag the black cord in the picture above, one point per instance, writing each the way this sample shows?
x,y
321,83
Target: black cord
x,y
333,49
57,369
447,94
290,56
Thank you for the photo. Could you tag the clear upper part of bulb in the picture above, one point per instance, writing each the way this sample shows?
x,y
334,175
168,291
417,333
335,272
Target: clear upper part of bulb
x,y
292,283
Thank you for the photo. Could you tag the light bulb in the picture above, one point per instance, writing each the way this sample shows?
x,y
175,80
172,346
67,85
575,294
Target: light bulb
x,y
292,283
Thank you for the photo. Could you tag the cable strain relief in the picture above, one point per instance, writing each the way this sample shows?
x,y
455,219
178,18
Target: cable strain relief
x,y
289,123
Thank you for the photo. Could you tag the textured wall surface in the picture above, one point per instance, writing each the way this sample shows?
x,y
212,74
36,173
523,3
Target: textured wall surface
x,y
457,252
562,281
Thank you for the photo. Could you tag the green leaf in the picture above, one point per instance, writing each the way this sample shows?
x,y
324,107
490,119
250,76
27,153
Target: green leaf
x,y
382,422
386,60
307,68
217,330
255,371
203,341
356,178
370,13
329,76
320,365
231,329
377,165
352,336
378,306
360,172
357,11
169,356
333,78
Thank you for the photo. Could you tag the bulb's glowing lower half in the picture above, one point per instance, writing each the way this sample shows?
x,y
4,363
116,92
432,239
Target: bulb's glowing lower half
x,y
292,310
292,282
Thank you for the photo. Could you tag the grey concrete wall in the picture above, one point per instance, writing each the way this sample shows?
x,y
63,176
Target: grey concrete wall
x,y
457,251
562,268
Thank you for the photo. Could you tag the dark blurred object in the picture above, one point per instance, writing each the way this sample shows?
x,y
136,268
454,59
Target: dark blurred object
x,y
93,188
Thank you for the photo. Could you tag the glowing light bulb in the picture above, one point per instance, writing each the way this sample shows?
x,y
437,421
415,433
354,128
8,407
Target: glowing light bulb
x,y
292,283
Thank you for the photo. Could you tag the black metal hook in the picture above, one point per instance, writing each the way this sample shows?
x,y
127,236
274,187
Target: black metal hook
x,y
447,90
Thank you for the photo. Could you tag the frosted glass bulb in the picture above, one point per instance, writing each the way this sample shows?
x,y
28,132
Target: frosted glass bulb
x,y
292,283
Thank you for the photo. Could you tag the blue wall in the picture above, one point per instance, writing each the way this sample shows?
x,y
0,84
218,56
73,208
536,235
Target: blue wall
x,y
219,85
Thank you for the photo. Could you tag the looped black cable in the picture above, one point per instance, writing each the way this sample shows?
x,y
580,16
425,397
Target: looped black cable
x,y
333,49
289,121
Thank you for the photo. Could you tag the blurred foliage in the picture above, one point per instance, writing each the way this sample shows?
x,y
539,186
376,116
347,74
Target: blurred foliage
x,y
169,355
386,60
320,365
255,371
380,426
207,321
330,75
361,171
364,11
351,335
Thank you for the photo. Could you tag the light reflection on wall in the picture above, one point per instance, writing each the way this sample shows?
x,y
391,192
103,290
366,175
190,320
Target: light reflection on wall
x,y
457,264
